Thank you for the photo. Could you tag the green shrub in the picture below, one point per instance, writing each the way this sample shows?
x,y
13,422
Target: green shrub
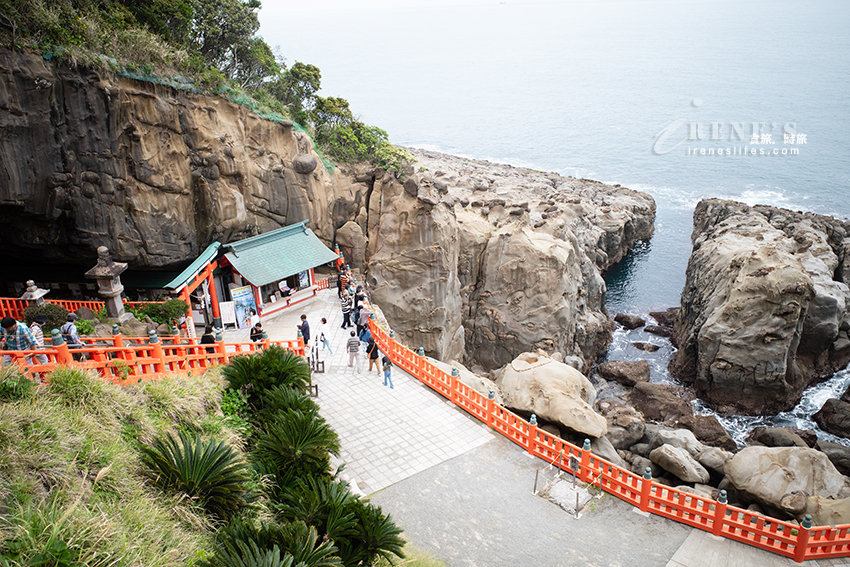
x,y
299,442
257,373
234,406
85,327
295,539
160,313
13,385
249,555
211,472
56,316
280,399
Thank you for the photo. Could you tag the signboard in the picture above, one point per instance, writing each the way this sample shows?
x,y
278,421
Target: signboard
x,y
228,314
304,279
243,305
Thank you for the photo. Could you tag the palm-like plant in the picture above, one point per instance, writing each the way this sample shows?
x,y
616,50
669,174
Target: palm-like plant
x,y
211,472
249,555
296,539
294,440
280,399
258,373
377,535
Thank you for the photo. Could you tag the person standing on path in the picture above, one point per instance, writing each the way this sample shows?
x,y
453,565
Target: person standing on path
x,y
345,303
323,336
387,371
353,347
69,331
305,329
38,335
256,332
208,338
373,352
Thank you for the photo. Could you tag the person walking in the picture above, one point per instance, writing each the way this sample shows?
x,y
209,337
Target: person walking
x,y
345,303
387,371
373,352
69,331
363,320
353,347
208,338
322,339
38,335
305,329
17,336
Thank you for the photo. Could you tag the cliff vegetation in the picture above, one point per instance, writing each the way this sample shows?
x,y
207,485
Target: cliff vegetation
x,y
208,46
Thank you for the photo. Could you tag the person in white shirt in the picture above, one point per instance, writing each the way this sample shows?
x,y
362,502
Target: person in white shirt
x,y
322,336
38,335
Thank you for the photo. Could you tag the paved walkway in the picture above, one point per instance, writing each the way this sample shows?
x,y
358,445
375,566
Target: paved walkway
x,y
465,494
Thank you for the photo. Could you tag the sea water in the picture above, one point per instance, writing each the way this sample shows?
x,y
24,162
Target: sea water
x,y
661,96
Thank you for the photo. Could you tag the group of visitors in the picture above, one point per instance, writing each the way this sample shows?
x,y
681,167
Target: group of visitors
x,y
17,336
353,347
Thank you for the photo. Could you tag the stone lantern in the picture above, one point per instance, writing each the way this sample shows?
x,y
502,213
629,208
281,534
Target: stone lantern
x,y
34,293
109,285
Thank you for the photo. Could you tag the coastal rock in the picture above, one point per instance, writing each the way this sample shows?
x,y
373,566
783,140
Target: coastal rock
x,y
627,372
828,511
766,474
552,390
647,347
629,321
659,330
778,437
625,424
658,402
678,462
305,163
834,417
680,438
478,383
714,459
602,447
839,455
708,429
352,244
760,308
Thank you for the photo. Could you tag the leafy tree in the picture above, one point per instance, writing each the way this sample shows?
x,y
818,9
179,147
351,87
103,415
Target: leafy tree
x,y
169,19
254,63
220,26
296,87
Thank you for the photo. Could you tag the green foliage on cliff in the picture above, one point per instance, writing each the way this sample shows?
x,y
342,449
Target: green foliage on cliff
x,y
200,45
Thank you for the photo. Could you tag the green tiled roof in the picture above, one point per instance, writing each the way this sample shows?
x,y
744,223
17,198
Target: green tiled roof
x,y
205,258
278,254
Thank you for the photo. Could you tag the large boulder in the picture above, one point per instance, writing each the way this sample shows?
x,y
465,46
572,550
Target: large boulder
x,y
766,474
627,372
714,459
708,429
658,402
679,438
828,511
629,321
778,437
839,455
834,417
625,424
552,390
761,307
678,462
352,243
478,383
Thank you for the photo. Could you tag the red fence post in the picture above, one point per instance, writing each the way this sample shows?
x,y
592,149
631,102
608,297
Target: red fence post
x,y
803,532
719,514
584,473
158,354
220,348
63,355
491,403
645,489
453,385
532,434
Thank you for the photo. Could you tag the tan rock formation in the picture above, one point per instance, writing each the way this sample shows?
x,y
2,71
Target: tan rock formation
x,y
760,308
552,390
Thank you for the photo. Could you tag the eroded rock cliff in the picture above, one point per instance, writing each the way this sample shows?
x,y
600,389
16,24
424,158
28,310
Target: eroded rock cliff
x,y
764,309
464,256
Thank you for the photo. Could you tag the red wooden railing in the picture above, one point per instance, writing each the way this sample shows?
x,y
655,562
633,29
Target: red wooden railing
x,y
14,308
124,360
720,519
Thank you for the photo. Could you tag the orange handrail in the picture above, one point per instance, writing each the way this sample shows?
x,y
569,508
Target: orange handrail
x,y
124,360
14,308
777,536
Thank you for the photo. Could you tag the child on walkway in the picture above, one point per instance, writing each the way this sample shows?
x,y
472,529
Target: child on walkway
x,y
387,370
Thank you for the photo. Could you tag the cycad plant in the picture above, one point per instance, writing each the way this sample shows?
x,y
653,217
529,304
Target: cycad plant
x,y
258,373
250,555
211,472
297,441
280,399
297,539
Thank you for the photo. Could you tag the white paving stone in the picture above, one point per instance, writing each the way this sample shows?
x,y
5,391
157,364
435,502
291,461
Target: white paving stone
x,y
386,435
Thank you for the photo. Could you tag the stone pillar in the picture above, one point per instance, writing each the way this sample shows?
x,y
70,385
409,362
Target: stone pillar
x,y
34,293
109,285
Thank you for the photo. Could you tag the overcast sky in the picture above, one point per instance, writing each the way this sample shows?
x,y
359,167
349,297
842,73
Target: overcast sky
x,y
277,9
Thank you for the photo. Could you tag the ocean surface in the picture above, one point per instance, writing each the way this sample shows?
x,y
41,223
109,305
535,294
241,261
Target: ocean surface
x,y
661,96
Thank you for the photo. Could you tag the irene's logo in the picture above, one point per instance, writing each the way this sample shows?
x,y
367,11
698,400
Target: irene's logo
x,y
719,137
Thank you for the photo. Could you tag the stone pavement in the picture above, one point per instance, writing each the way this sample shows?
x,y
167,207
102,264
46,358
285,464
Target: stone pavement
x,y
465,494
386,435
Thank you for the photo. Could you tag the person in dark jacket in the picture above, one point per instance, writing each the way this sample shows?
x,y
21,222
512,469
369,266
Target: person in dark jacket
x,y
373,352
209,339
305,329
257,332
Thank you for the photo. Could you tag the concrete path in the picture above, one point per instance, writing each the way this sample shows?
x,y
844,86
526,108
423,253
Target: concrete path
x,y
465,494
